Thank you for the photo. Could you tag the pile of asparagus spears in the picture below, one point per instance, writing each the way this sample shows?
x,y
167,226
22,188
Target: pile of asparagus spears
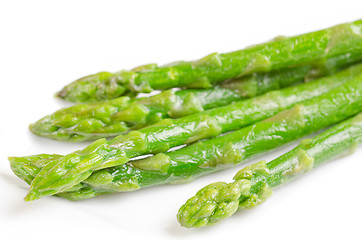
x,y
225,108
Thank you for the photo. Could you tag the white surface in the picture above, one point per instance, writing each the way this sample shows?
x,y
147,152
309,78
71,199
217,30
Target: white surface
x,y
45,45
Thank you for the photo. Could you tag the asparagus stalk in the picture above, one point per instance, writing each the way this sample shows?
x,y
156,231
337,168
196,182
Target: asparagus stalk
x,y
83,122
225,151
229,150
28,167
118,116
108,119
67,171
253,184
204,73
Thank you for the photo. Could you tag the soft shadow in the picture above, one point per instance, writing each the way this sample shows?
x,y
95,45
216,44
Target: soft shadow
x,y
13,180
53,146
175,229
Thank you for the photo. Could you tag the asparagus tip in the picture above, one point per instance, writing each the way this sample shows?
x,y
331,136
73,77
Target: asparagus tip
x,y
31,196
61,94
211,204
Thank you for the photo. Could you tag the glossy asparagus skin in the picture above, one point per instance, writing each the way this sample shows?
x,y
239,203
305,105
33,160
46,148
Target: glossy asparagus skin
x,y
108,119
28,167
117,116
204,73
253,184
229,150
83,122
225,151
58,176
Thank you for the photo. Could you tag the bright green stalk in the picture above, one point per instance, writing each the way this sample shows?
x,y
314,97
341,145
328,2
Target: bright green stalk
x,y
218,153
67,171
118,116
206,72
229,150
253,184
28,167
83,122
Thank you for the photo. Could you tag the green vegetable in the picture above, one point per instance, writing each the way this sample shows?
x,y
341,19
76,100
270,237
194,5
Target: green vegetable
x,y
253,184
28,167
204,73
73,168
215,154
118,116
83,121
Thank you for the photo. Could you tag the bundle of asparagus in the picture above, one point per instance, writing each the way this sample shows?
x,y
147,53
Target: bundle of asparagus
x,y
117,116
248,102
60,173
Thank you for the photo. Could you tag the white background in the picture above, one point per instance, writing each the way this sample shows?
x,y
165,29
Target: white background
x,y
46,44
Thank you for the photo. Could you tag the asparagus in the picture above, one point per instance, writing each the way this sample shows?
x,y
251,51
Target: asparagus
x,y
109,119
28,167
253,184
118,116
225,151
58,176
83,121
204,73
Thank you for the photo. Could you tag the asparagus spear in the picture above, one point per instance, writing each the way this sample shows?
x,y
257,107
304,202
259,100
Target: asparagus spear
x,y
218,153
204,73
83,121
117,116
225,151
28,167
67,171
253,184
108,119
